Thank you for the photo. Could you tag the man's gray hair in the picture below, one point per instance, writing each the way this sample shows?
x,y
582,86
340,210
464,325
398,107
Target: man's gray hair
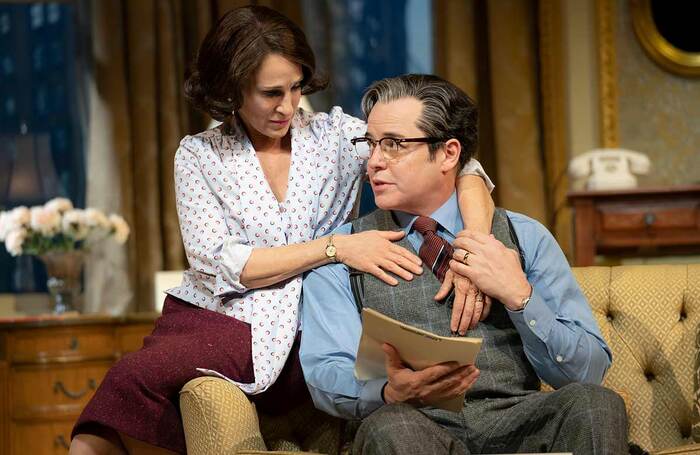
x,y
448,112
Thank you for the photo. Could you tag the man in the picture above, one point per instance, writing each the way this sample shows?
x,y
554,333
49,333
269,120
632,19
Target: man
x,y
421,129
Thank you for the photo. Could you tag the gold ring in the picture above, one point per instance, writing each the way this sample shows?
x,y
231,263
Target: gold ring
x,y
466,256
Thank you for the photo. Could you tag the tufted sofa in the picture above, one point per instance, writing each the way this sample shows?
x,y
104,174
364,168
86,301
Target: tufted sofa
x,y
648,314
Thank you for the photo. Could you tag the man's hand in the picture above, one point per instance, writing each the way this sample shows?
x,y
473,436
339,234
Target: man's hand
x,y
492,267
442,381
470,305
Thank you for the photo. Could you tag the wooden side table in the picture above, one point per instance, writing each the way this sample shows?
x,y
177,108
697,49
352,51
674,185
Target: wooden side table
x,y
49,369
646,220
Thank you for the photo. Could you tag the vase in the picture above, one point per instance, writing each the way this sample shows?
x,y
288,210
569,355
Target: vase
x,y
64,271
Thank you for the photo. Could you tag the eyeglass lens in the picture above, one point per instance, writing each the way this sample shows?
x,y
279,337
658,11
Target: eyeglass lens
x,y
388,147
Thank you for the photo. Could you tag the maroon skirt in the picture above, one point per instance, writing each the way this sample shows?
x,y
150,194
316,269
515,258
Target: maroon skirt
x,y
139,396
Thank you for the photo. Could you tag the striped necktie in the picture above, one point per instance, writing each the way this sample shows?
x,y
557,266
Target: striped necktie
x,y
435,251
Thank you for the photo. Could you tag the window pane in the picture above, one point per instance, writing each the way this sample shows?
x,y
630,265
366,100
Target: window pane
x,y
359,41
41,117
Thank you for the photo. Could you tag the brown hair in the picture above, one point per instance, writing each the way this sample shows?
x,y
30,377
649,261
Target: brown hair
x,y
233,51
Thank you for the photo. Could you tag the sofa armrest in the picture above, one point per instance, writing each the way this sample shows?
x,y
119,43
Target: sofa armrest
x,y
218,418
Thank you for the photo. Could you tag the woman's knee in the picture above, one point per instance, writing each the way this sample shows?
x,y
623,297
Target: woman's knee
x,y
140,369
125,371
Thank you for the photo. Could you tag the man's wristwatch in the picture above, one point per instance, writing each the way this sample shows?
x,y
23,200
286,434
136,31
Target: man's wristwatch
x,y
331,250
526,300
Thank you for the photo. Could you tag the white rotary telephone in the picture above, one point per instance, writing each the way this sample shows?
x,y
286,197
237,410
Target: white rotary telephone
x,y
609,169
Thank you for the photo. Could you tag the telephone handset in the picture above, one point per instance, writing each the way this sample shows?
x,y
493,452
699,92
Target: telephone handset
x,y
610,168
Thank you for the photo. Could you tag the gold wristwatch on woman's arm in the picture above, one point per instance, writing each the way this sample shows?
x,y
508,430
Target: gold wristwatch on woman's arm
x,y
331,250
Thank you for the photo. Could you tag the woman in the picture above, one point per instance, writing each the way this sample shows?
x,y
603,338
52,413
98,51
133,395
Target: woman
x,y
255,198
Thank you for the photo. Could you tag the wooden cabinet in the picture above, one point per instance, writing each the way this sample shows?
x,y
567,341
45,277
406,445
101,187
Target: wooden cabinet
x,y
639,221
50,368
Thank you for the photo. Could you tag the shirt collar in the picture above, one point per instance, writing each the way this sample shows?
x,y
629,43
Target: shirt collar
x,y
447,216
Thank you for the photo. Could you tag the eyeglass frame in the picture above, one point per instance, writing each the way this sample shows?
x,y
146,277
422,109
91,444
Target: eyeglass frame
x,y
424,140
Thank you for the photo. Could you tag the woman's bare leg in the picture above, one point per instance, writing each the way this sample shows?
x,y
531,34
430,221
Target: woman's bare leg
x,y
136,447
89,444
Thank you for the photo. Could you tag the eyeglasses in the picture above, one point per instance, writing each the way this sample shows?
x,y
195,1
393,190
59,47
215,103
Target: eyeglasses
x,y
390,147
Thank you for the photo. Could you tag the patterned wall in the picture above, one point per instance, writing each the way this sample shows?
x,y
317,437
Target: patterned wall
x,y
659,112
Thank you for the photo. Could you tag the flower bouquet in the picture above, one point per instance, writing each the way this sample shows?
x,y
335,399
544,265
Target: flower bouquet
x,y
59,234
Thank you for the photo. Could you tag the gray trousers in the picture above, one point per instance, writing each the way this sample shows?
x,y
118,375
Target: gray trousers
x,y
580,418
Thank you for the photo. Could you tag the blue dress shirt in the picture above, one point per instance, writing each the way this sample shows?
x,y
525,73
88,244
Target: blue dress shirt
x,y
561,338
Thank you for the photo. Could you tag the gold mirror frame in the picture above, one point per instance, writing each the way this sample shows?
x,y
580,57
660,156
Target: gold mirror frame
x,y
659,49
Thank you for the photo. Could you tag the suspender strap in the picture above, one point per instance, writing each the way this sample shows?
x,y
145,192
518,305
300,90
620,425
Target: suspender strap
x,y
357,285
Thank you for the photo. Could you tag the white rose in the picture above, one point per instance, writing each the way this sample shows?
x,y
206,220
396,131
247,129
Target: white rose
x,y
20,216
120,228
45,221
14,241
17,218
59,204
74,225
96,219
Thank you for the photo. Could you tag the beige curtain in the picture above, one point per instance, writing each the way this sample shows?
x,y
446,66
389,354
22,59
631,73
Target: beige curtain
x,y
138,116
497,52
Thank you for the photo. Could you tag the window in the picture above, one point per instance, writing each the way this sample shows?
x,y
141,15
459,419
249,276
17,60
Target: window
x,y
42,116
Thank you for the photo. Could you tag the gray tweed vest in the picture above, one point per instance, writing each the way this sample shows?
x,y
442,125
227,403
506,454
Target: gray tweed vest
x,y
504,369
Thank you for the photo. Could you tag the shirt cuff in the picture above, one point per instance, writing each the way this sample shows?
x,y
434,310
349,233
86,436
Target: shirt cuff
x,y
371,396
536,318
473,167
233,256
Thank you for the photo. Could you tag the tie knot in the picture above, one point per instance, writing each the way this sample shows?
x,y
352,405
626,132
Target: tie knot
x,y
423,225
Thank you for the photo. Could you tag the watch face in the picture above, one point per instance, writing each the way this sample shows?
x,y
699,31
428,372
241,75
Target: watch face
x,y
330,251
